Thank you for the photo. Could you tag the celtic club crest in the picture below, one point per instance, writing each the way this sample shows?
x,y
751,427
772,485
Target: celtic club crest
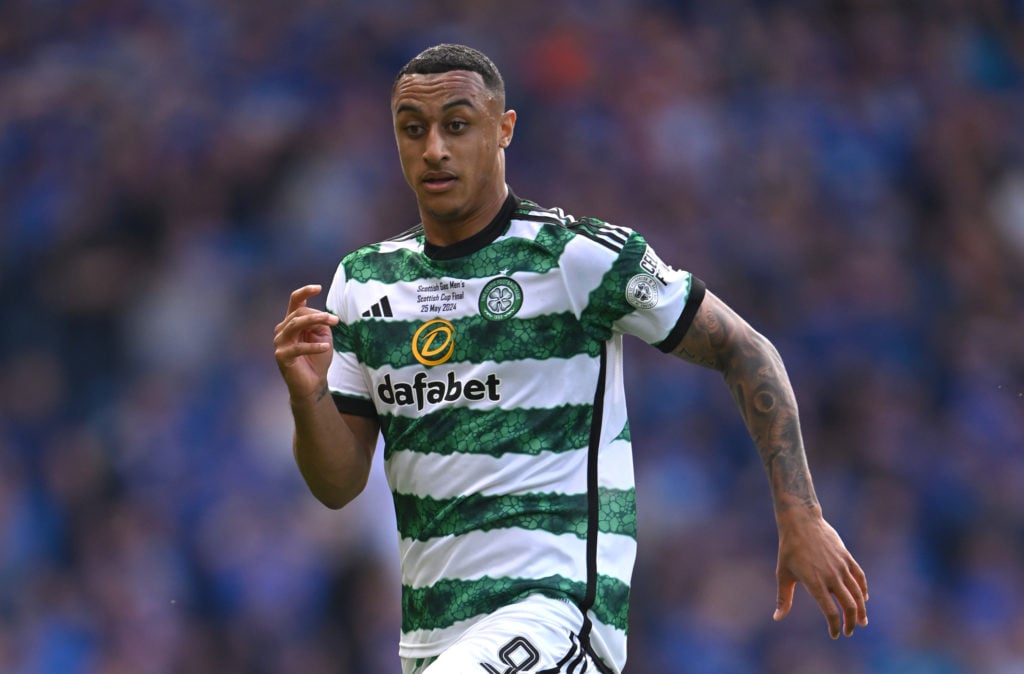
x,y
500,299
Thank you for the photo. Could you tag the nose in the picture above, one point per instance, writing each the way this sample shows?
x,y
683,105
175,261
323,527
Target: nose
x,y
435,150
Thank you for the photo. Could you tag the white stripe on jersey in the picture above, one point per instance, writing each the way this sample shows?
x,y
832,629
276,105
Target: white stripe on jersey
x,y
578,265
344,366
518,388
471,556
616,466
543,294
443,477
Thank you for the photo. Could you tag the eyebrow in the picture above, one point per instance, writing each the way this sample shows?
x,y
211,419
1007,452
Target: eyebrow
x,y
408,107
456,103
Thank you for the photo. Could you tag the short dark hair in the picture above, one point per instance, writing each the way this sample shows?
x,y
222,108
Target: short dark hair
x,y
444,58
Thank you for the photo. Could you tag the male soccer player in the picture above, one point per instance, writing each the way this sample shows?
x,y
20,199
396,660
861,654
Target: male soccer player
x,y
485,344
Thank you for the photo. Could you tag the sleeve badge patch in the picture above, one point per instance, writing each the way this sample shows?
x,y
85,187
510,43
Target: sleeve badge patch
x,y
642,291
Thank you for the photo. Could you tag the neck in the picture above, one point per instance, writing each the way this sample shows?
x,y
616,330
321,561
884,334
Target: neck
x,y
444,229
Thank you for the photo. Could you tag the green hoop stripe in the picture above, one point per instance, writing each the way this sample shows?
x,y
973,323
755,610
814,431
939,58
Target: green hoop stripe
x,y
450,601
495,432
403,265
477,340
607,302
423,518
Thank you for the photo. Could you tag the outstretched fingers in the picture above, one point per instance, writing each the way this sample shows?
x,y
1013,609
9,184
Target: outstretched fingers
x,y
299,296
840,593
288,351
822,594
302,320
303,334
303,344
860,578
842,601
784,602
857,582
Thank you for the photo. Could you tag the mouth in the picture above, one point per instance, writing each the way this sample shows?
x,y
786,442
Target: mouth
x,y
437,181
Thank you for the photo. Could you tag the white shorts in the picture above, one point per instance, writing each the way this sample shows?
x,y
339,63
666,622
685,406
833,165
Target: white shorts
x,y
537,635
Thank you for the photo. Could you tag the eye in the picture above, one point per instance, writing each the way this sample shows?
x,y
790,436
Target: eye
x,y
457,126
413,130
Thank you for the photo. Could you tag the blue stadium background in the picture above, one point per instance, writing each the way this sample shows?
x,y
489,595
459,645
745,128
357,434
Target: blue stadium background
x,y
849,174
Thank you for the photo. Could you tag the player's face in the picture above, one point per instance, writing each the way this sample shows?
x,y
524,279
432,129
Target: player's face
x,y
451,133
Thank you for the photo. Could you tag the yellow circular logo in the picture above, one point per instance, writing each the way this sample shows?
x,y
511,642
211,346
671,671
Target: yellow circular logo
x,y
434,342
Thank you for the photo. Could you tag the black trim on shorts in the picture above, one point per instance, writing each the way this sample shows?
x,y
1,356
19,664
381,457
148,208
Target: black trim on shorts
x,y
693,302
571,658
598,662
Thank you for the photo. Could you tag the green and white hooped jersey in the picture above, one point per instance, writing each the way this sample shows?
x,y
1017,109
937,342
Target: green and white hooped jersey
x,y
494,367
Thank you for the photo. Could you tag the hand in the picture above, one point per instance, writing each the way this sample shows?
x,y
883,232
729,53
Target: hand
x,y
811,552
302,345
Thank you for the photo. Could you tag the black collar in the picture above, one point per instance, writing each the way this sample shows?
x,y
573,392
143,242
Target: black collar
x,y
492,231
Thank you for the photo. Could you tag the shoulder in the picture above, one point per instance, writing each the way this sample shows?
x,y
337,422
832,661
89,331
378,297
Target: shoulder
x,y
375,257
410,239
585,232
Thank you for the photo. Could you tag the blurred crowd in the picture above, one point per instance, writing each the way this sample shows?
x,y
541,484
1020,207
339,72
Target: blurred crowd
x,y
848,174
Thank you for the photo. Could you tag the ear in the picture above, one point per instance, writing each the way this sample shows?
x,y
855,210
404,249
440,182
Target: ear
x,y
506,128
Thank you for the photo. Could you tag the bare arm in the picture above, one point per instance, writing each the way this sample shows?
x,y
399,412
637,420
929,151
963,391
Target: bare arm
x,y
334,451
757,379
810,551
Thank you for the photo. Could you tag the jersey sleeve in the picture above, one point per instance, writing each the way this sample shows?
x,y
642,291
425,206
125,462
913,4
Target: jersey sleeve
x,y
640,295
345,377
663,301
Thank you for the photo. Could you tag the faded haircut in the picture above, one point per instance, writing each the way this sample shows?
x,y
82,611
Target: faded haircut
x,y
444,58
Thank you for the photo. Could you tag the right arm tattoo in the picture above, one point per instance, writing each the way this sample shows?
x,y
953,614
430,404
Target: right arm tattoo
x,y
756,378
